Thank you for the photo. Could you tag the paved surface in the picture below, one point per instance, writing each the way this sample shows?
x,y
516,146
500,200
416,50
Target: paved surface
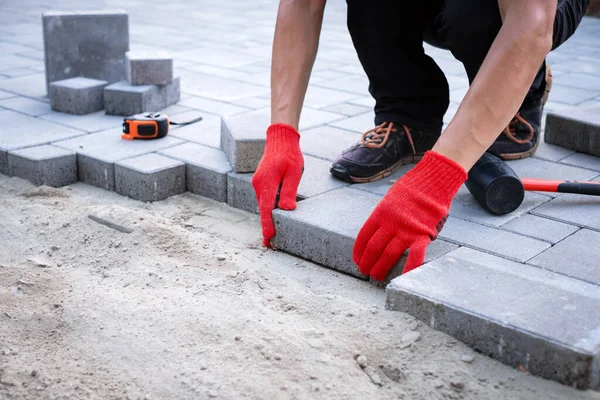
x,y
222,54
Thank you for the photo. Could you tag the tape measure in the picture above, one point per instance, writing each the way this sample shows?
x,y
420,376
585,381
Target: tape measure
x,y
149,126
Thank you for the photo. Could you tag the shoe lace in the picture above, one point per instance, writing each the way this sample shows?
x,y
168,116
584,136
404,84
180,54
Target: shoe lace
x,y
377,137
511,130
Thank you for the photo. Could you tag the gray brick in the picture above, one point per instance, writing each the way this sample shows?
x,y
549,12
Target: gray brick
x,y
530,322
77,96
94,122
577,130
98,152
150,177
583,161
240,193
576,256
206,132
173,92
20,131
44,165
573,209
243,140
540,228
503,243
326,141
90,44
149,68
323,229
26,105
124,99
206,169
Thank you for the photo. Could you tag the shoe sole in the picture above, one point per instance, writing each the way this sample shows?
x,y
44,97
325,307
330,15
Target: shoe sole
x,y
342,173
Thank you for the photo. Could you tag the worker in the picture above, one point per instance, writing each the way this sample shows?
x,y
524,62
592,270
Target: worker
x,y
502,45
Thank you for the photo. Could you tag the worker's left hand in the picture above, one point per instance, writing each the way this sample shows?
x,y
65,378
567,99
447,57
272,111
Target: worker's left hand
x,y
409,216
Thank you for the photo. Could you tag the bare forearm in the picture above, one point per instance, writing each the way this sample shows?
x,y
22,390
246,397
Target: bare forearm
x,y
501,84
294,50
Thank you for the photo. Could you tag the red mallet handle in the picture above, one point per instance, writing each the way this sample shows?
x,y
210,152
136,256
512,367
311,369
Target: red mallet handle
x,y
578,187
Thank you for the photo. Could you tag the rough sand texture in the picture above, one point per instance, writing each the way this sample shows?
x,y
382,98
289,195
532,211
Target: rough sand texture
x,y
189,306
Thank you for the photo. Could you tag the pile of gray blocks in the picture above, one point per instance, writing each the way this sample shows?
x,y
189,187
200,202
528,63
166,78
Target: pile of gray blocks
x,y
84,52
150,86
577,130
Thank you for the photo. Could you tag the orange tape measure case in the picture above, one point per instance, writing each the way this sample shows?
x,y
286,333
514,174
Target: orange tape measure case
x,y
145,126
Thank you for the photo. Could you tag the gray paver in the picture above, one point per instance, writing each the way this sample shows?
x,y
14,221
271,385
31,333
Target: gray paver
x,y
122,98
211,106
97,153
20,131
30,86
346,109
573,209
93,122
44,165
326,141
26,105
243,140
150,177
206,169
577,130
503,243
359,123
323,229
89,43
570,95
173,91
217,88
583,161
149,68
240,193
577,256
540,228
530,322
77,95
318,97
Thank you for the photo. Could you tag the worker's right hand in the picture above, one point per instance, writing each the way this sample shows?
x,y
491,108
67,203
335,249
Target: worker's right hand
x,y
279,170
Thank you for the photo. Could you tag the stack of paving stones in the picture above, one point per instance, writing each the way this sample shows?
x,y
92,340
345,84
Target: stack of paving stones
x,y
150,86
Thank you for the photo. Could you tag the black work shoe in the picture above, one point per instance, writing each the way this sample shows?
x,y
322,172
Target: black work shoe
x,y
520,139
380,151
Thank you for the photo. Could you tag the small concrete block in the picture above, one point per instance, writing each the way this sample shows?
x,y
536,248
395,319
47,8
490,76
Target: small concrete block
x,y
150,177
125,99
574,209
543,322
77,96
98,152
503,243
86,43
172,92
243,140
577,130
44,165
240,193
206,169
540,228
577,256
323,229
149,68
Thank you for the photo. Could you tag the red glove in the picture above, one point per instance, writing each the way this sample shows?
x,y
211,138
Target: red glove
x,y
410,215
281,167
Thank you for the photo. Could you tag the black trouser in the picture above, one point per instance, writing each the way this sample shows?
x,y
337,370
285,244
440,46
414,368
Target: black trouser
x,y
407,85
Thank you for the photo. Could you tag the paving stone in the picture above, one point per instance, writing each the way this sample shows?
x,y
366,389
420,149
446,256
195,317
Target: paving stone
x,y
358,84
540,228
212,106
577,130
502,243
571,95
318,97
243,140
150,177
347,109
542,169
19,72
254,103
77,96
359,123
575,209
327,142
26,105
217,88
44,165
90,44
122,98
30,86
576,256
240,193
20,131
206,169
10,61
6,95
149,68
225,59
583,161
98,152
93,122
320,230
530,322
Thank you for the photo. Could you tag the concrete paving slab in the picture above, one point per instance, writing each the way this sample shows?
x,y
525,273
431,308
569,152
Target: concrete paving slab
x,y
122,98
577,256
75,41
6,95
540,228
240,193
495,241
575,209
318,97
570,95
216,88
89,123
206,169
583,161
154,68
327,142
357,84
150,177
359,123
77,96
577,130
243,139
44,165
323,229
26,105
29,86
206,132
347,109
20,131
212,106
98,152
542,169
531,323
